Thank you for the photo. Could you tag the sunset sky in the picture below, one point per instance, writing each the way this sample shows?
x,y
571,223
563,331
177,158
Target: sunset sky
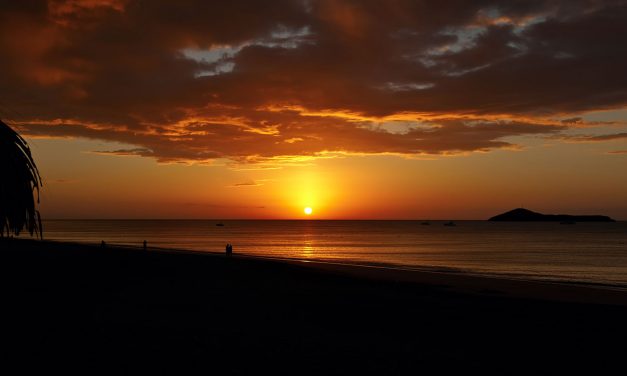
x,y
358,109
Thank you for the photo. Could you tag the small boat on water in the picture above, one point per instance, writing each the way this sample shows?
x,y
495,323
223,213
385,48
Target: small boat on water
x,y
220,224
450,223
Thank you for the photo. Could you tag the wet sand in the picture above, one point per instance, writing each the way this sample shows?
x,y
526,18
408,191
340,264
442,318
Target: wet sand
x,y
82,309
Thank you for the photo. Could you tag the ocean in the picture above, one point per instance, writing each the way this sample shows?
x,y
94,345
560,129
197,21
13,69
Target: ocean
x,y
582,252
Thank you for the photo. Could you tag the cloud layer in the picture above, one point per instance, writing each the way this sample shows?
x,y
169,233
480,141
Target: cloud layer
x,y
197,80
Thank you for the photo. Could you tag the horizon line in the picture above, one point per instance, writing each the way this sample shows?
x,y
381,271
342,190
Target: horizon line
x,y
276,219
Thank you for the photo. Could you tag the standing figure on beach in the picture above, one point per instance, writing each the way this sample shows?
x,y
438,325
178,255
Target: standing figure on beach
x,y
229,249
103,244
145,245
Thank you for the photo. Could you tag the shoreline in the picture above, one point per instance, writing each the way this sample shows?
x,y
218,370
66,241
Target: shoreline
x,y
122,310
450,278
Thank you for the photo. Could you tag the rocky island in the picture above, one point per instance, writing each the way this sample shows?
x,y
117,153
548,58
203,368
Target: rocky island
x,y
525,215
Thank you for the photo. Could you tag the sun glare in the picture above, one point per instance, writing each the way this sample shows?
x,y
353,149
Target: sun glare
x,y
308,210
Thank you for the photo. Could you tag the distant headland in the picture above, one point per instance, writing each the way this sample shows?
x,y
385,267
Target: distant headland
x,y
526,215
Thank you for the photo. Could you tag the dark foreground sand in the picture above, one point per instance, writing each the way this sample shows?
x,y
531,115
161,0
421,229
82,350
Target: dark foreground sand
x,y
79,309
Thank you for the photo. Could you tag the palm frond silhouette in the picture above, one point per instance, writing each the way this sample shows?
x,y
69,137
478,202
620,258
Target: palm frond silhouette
x,y
19,182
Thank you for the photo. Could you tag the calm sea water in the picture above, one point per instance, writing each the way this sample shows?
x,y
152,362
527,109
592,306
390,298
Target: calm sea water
x,y
586,252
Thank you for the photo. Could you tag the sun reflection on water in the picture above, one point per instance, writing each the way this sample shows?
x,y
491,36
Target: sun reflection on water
x,y
308,249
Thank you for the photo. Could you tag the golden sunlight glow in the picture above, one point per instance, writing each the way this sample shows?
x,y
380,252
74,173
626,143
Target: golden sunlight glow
x,y
308,210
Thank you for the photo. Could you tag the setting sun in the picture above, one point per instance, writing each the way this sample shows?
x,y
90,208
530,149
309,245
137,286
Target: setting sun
x,y
308,210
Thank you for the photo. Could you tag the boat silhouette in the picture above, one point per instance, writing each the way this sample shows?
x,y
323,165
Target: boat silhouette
x,y
450,223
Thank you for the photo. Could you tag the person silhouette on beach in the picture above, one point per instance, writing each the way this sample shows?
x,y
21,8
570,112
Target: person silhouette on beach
x,y
145,245
103,244
229,249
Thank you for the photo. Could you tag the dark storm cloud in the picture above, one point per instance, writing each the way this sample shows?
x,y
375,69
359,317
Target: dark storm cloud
x,y
197,80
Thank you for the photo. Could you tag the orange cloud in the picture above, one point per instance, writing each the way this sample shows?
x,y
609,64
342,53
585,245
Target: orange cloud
x,y
308,79
598,138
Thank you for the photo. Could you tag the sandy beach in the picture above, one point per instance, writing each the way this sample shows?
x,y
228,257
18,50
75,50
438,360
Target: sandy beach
x,y
81,308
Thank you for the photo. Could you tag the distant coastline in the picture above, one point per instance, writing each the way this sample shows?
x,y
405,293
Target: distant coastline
x,y
526,215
